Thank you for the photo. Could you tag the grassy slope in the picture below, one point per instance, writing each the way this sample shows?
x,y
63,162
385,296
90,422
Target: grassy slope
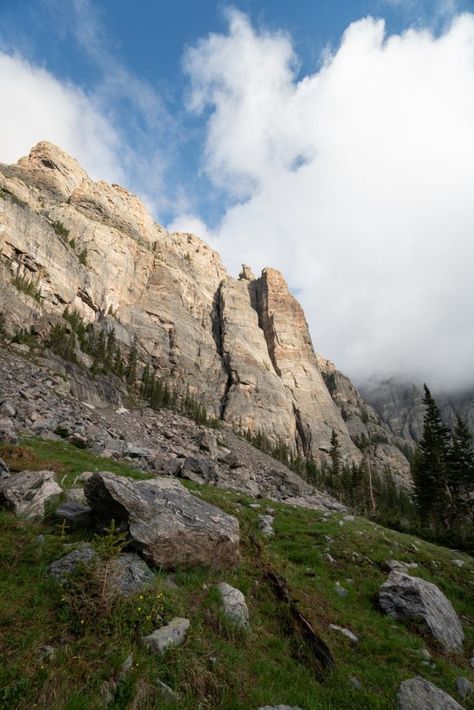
x,y
219,667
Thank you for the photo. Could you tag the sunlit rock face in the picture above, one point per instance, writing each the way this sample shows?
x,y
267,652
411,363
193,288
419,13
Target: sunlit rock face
x,y
240,346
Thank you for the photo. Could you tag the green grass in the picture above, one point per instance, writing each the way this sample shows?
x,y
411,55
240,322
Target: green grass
x,y
218,666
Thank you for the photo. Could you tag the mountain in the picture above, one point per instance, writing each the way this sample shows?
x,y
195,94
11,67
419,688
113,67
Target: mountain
x,y
240,346
400,405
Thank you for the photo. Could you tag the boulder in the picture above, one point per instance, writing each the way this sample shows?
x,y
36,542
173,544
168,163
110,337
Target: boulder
x,y
27,492
406,597
169,636
197,470
235,606
169,525
131,574
7,431
70,563
419,694
208,443
75,512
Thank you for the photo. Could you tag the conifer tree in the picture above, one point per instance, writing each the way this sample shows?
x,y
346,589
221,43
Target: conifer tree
x,y
460,474
430,466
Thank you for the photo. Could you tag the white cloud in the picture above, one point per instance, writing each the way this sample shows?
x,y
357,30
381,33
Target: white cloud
x,y
356,182
118,129
36,106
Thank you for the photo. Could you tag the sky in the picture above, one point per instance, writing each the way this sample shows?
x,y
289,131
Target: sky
x,y
333,141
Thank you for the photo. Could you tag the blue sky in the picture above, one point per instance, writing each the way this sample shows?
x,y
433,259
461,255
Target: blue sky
x,y
148,39
332,140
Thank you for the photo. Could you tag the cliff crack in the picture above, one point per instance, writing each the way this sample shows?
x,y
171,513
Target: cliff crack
x,y
218,336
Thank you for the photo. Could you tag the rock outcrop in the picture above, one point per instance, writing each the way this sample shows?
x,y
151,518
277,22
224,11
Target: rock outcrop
x,y
365,425
412,598
168,525
241,346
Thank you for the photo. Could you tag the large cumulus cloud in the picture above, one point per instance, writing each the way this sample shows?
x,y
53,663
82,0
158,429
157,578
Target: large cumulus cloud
x,y
357,181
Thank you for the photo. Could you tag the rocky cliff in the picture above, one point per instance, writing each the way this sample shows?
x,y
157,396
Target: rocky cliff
x,y
242,346
401,406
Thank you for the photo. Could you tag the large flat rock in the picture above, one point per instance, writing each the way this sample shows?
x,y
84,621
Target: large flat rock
x,y
170,526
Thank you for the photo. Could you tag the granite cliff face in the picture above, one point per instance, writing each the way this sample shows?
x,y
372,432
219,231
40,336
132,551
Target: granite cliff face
x,y
242,346
401,406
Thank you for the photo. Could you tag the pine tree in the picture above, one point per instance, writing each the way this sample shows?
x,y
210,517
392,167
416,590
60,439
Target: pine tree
x,y
430,466
131,369
460,474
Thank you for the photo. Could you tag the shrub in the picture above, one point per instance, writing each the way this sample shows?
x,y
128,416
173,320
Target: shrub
x,y
26,285
60,229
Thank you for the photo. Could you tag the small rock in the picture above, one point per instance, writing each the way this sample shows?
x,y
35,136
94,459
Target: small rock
x,y
401,566
345,632
464,687
208,442
235,606
419,694
47,653
265,523
349,518
7,431
169,636
127,664
167,693
342,591
84,477
7,410
355,682
458,563
279,707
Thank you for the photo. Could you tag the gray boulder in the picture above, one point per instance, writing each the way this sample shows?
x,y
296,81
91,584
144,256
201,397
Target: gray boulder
x,y
74,512
130,574
406,597
419,694
171,527
169,636
235,606
197,470
27,492
70,563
